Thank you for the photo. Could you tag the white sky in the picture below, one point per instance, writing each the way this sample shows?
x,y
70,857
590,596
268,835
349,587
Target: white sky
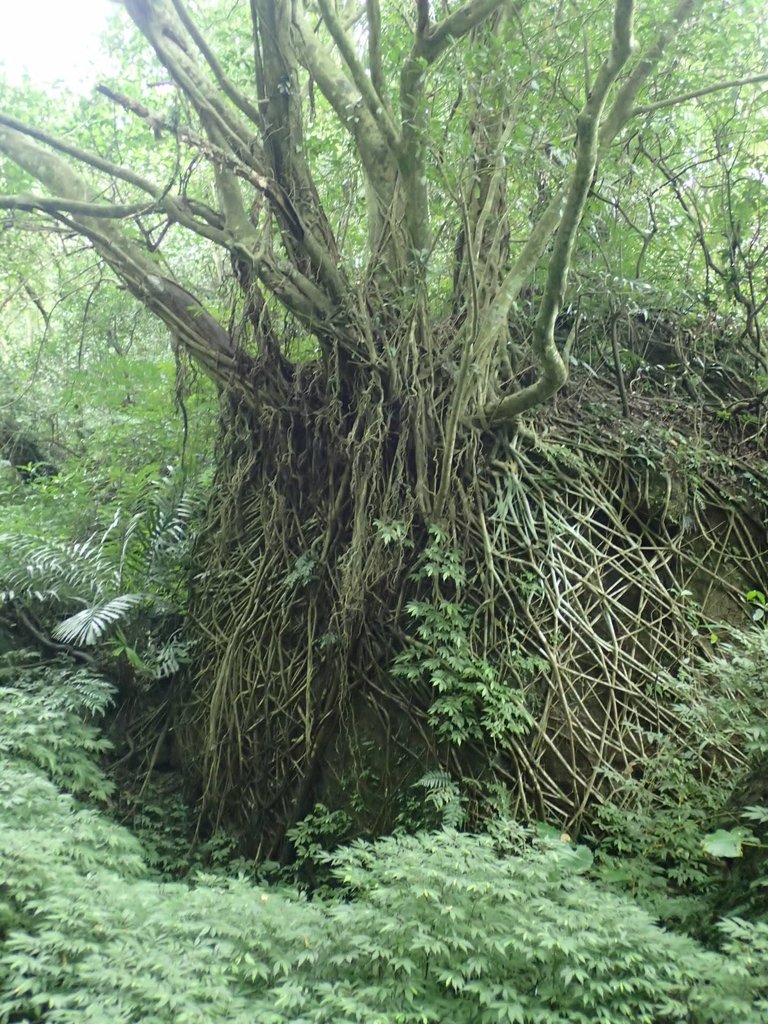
x,y
52,40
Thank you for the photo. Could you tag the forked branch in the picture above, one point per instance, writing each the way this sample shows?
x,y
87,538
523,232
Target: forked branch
x,y
493,323
553,372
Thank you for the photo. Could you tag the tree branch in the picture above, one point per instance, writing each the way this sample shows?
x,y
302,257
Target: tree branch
x,y
494,319
458,24
241,101
359,77
30,202
413,161
707,90
82,156
553,372
218,155
163,29
177,208
427,47
375,63
376,152
422,17
315,253
621,108
190,323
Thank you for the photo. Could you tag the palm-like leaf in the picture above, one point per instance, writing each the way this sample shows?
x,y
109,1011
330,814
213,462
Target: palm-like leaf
x,y
90,625
137,560
55,570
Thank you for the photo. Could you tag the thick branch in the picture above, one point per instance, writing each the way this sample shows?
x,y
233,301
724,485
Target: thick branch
x,y
315,254
170,39
458,24
553,372
227,167
238,232
413,161
191,324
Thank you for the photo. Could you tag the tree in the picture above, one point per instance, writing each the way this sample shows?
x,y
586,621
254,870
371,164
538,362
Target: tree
x,y
368,379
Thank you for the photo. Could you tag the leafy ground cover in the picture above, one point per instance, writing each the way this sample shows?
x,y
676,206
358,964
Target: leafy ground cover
x,y
425,928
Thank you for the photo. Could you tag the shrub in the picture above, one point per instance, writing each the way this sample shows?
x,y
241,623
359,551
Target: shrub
x,y
427,928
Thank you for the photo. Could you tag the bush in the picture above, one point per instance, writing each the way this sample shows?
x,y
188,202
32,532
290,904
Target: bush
x,y
427,928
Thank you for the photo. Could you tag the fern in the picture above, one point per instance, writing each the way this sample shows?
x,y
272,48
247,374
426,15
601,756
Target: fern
x,y
429,928
54,571
90,625
138,562
443,793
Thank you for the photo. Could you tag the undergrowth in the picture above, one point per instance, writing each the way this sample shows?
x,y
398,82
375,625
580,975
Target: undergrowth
x,y
434,927
122,589
685,834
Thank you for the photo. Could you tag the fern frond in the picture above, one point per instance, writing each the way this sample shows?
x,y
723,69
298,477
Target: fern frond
x,y
90,625
171,524
158,528
55,570
436,779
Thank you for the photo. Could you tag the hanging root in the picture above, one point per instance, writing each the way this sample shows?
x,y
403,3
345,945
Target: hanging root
x,y
590,572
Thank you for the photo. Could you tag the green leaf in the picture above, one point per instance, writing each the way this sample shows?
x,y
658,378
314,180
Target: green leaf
x,y
727,844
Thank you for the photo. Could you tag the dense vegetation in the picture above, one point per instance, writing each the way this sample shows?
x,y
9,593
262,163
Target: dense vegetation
x,y
510,926
394,648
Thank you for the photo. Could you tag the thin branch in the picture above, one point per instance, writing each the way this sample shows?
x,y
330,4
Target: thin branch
x,y
176,208
707,90
375,63
82,156
241,101
44,204
217,155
